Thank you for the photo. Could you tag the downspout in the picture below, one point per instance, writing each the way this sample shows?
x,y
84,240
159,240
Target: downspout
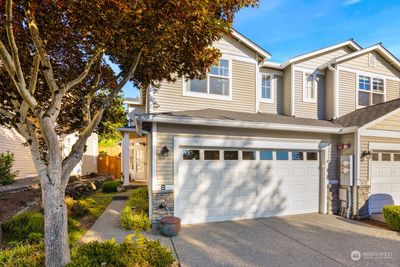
x,y
258,86
335,91
292,94
356,172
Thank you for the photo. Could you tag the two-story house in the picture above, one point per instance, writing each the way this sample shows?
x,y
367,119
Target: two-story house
x,y
317,133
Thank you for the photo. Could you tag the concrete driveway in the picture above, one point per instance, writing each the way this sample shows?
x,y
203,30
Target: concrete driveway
x,y
301,240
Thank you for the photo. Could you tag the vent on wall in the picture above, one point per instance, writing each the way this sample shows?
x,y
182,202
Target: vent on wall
x,y
371,59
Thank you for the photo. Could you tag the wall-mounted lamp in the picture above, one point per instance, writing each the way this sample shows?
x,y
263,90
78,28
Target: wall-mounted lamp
x,y
343,146
366,155
164,151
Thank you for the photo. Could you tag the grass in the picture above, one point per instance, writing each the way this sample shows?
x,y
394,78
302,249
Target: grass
x,y
95,205
135,214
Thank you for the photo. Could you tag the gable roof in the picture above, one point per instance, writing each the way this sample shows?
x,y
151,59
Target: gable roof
x,y
351,43
249,43
363,116
394,61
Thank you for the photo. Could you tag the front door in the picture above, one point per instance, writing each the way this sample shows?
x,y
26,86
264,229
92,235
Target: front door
x,y
137,161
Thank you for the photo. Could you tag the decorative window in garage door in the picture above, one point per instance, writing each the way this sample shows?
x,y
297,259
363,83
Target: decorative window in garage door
x,y
229,154
386,156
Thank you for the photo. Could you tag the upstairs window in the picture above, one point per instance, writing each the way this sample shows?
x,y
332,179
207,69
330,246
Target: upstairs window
x,y
217,83
266,88
371,91
309,89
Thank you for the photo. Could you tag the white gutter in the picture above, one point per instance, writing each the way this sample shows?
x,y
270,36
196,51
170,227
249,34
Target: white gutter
x,y
335,91
240,124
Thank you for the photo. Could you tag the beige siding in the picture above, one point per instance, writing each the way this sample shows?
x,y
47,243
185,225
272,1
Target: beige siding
x,y
347,139
230,46
11,141
392,89
321,100
329,81
169,96
347,92
166,133
362,63
303,109
277,86
390,124
315,62
287,83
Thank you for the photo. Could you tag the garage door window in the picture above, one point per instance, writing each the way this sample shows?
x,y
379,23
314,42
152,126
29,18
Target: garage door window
x,y
312,156
375,156
265,155
296,155
191,154
231,155
211,154
249,155
386,157
282,155
396,157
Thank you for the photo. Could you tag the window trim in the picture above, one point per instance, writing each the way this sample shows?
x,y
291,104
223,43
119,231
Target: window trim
x,y
370,92
272,88
186,92
314,87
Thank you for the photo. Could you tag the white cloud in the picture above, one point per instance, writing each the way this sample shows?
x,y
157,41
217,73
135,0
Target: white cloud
x,y
351,2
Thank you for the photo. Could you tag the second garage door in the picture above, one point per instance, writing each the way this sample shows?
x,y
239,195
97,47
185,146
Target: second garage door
x,y
216,184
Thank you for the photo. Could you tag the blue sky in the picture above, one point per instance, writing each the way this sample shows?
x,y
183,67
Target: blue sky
x,y
286,28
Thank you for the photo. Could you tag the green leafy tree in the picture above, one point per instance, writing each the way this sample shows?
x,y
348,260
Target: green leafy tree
x,y
54,79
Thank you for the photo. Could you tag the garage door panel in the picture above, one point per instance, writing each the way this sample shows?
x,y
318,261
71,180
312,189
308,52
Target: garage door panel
x,y
226,190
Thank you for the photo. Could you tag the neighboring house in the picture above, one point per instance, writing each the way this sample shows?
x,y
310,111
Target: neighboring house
x,y
317,133
13,142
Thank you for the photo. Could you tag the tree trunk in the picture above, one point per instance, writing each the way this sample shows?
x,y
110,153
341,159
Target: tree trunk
x,y
56,223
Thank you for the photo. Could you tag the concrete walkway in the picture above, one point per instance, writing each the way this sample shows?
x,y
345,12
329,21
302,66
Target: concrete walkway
x,y
20,184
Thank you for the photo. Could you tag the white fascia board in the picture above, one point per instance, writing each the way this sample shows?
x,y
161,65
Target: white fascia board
x,y
321,51
250,44
384,146
273,65
241,124
348,130
380,133
302,144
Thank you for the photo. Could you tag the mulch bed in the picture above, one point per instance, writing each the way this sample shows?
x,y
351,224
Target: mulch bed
x,y
376,223
12,203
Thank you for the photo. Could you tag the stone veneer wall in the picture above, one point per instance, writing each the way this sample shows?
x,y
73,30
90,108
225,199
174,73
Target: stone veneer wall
x,y
158,198
333,199
362,201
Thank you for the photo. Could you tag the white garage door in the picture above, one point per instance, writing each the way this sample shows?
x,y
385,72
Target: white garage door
x,y
217,184
385,180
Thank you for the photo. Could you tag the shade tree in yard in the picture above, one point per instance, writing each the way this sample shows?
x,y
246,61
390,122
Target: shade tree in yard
x,y
54,78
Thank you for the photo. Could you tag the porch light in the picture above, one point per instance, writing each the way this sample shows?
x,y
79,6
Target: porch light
x,y
366,155
164,151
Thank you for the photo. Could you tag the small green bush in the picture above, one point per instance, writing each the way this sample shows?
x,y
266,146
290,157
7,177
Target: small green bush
x,y
134,251
111,186
19,227
391,214
135,214
23,255
7,175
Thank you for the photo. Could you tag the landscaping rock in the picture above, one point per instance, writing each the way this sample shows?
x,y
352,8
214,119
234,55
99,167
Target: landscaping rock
x,y
84,187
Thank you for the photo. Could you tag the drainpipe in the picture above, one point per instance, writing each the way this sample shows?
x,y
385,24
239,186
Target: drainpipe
x,y
356,171
335,91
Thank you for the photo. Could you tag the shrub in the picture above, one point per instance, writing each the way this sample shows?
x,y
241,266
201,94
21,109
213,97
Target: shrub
x,y
134,216
19,227
140,252
23,255
391,214
111,186
7,175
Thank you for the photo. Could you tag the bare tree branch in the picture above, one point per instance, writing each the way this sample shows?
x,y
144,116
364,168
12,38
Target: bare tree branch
x,y
84,73
87,117
32,84
6,114
12,43
7,60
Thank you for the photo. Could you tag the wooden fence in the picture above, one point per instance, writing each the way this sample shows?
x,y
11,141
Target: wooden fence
x,y
109,165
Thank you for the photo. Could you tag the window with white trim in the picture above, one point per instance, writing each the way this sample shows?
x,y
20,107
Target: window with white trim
x,y
217,82
371,90
266,87
309,88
